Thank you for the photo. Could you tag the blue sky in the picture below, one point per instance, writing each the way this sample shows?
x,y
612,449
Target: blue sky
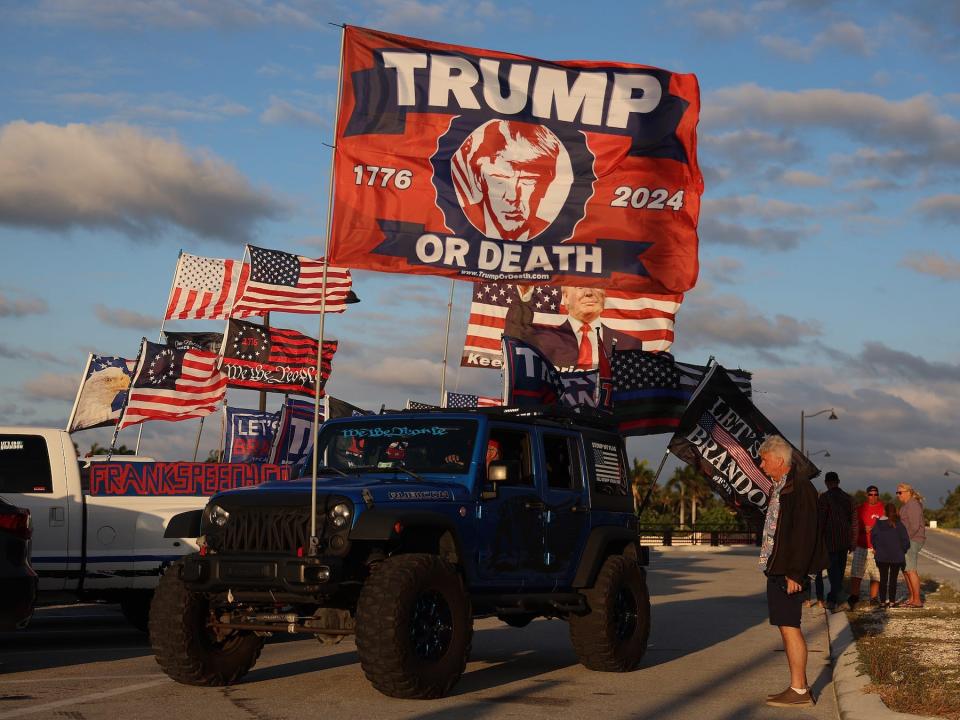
x,y
829,140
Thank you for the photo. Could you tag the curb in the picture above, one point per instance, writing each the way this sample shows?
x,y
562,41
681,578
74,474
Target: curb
x,y
852,702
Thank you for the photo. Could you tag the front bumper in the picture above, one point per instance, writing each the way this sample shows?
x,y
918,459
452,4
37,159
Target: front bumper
x,y
281,573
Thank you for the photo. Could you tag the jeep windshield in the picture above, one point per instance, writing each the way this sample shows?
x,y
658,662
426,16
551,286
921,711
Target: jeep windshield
x,y
411,447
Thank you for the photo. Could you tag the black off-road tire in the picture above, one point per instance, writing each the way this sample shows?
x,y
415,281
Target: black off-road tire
x,y
185,648
135,606
612,636
414,627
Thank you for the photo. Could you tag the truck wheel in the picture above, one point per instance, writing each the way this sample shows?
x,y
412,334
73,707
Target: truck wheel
x,y
612,636
135,606
185,647
414,627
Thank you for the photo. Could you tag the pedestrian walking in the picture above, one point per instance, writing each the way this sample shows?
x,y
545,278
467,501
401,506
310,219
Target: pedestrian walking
x,y
836,511
790,551
890,544
864,564
911,513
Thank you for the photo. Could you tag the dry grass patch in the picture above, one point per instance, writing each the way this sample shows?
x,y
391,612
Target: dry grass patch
x,y
913,656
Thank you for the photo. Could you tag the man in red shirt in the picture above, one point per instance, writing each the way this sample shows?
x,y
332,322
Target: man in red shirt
x,y
864,565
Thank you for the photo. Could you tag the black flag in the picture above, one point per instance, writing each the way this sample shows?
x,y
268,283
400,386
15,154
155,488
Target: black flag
x,y
720,435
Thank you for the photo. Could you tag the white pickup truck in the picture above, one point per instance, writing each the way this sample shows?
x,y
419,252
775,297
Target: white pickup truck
x,y
98,530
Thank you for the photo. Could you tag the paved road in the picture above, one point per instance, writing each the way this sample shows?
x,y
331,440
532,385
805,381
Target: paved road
x,y
712,656
940,557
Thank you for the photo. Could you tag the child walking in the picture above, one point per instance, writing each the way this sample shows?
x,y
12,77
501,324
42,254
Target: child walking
x,y
890,544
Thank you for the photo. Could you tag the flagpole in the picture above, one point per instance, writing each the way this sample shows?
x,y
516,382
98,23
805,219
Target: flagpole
x,y
163,320
646,499
76,401
126,402
196,446
314,547
446,344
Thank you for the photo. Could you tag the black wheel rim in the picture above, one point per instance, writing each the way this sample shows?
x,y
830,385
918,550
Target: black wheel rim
x,y
624,614
431,627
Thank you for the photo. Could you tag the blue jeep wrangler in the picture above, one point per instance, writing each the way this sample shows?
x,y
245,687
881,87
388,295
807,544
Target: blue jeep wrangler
x,y
425,521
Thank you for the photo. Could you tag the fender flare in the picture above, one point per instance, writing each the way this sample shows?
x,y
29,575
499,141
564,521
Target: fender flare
x,y
605,541
184,525
379,524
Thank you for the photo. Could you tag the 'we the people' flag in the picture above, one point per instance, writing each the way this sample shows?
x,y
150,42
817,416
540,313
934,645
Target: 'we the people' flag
x,y
720,435
539,315
173,385
489,166
281,281
207,289
272,358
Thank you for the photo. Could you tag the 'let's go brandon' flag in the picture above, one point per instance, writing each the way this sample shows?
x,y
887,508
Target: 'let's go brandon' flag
x,y
489,166
720,435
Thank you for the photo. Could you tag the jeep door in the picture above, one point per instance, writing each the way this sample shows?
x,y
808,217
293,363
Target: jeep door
x,y
565,510
510,537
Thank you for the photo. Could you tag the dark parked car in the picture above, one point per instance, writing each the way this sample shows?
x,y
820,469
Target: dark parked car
x,y
17,578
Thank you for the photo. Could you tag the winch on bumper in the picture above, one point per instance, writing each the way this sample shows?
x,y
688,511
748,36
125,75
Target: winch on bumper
x,y
214,573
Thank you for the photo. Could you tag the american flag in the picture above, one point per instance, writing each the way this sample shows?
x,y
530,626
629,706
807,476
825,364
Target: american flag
x,y
606,461
173,385
206,289
416,405
729,443
272,358
461,400
651,390
649,318
280,281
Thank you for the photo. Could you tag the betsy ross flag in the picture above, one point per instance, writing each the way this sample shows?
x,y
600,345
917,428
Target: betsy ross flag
x,y
651,391
720,435
173,385
512,310
271,358
461,400
284,282
206,289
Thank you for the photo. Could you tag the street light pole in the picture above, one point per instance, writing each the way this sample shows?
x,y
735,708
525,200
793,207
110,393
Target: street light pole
x,y
804,416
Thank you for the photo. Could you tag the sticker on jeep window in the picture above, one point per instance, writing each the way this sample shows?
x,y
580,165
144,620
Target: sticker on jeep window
x,y
606,463
11,444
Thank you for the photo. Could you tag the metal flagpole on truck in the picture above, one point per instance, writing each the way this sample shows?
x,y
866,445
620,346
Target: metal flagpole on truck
x,y
314,547
446,344
173,282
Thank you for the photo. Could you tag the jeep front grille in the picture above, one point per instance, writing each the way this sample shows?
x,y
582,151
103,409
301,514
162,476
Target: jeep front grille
x,y
257,529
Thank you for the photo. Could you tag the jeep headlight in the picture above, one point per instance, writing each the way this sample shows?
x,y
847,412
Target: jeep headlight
x,y
340,515
216,515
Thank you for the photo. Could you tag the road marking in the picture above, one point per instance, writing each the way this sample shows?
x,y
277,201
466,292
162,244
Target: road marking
x,y
946,562
33,710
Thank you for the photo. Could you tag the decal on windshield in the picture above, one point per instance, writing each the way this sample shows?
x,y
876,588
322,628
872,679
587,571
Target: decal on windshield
x,y
395,431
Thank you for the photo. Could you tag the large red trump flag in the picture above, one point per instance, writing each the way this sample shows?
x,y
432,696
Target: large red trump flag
x,y
488,166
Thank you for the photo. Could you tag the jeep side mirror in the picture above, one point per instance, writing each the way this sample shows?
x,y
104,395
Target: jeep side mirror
x,y
497,472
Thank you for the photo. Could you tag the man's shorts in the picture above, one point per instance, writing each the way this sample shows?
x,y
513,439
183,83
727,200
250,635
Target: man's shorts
x,y
785,610
912,554
864,565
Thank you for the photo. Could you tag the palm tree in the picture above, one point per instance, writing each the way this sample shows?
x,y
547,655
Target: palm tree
x,y
689,484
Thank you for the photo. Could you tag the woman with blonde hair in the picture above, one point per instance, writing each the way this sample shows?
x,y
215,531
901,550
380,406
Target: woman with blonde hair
x,y
911,514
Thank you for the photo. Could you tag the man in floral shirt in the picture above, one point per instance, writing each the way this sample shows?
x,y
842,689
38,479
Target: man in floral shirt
x,y
791,549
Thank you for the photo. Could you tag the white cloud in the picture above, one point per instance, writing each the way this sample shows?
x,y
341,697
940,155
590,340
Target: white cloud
x,y
157,107
933,264
51,386
754,206
802,178
845,36
181,14
11,307
121,317
945,208
117,176
283,112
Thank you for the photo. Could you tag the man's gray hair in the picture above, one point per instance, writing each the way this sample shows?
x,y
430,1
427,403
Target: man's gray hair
x,y
776,445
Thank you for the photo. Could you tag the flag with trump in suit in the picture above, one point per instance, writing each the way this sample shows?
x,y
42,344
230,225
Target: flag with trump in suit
x,y
488,166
